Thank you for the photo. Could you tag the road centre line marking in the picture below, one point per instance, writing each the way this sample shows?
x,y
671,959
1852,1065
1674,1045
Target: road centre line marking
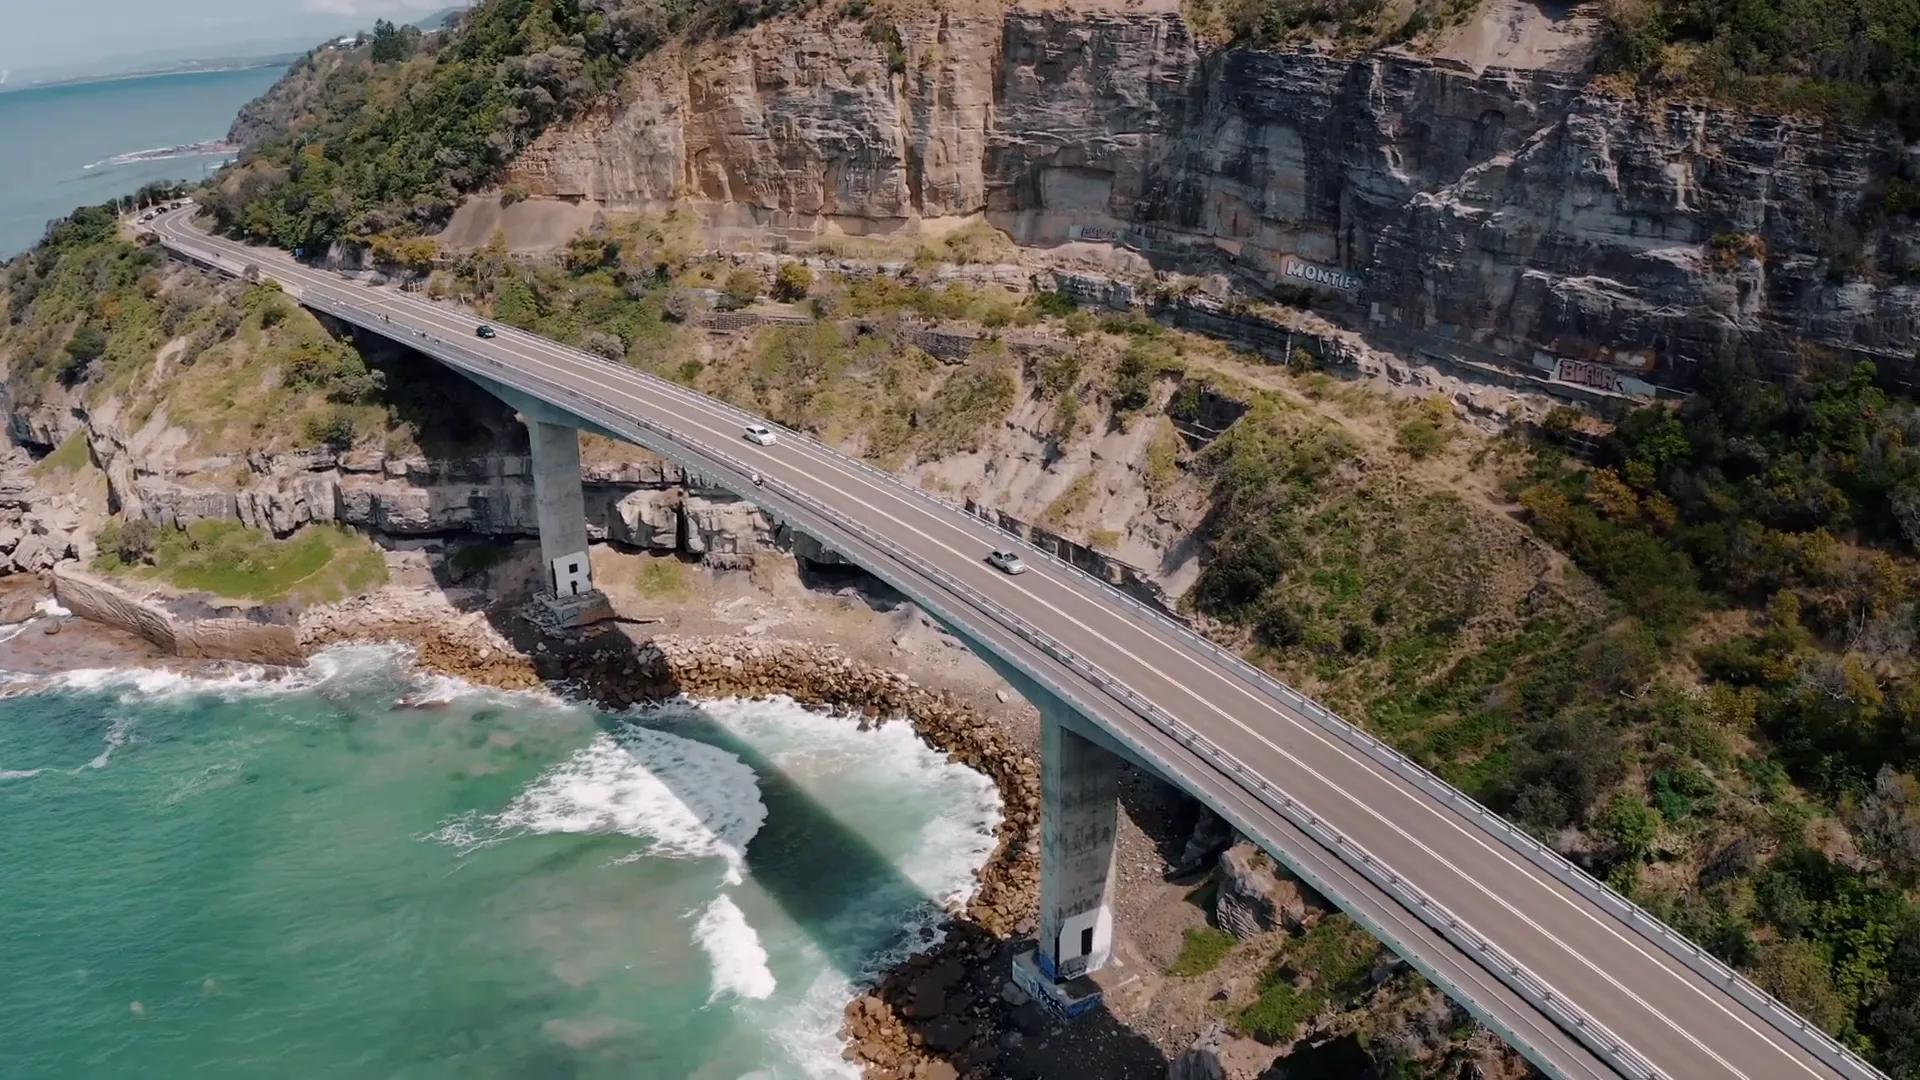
x,y
556,360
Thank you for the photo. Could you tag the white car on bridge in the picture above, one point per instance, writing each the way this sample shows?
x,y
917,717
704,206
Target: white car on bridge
x,y
761,434
1007,562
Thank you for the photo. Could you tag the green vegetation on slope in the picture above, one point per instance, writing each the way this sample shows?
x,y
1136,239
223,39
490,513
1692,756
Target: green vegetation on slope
x,y
395,139
69,457
627,289
1729,722
319,565
1335,956
85,306
1201,950
236,366
1858,55
1351,24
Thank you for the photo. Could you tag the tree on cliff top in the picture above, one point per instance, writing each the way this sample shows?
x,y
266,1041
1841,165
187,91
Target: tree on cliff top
x,y
390,148
390,43
1859,56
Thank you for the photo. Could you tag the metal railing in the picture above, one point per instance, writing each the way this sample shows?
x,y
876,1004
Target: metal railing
x,y
1489,956
1701,962
1530,986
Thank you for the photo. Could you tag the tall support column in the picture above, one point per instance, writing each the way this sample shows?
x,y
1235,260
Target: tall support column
x,y
1079,816
561,512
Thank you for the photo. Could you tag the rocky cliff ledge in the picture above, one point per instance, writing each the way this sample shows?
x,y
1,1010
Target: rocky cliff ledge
x,y
185,627
1525,217
639,504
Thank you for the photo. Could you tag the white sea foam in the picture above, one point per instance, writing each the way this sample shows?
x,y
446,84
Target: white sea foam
x,y
860,776
332,672
812,747
739,963
154,684
18,774
117,734
691,800
809,1034
158,153
50,606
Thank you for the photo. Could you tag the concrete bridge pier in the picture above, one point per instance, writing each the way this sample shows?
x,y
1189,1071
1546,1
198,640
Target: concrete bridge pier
x,y
1079,818
561,512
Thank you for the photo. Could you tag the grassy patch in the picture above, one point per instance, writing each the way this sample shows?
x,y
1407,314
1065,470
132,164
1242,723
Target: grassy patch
x,y
972,404
1429,430
664,579
318,565
1070,503
1162,466
1335,955
1276,1015
70,456
1201,952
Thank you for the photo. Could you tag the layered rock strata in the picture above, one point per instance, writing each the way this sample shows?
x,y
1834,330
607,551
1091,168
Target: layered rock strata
x,y
1532,219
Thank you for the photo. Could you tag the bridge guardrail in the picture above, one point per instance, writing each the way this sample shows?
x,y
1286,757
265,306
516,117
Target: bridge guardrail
x,y
1782,1018
1777,1013
1527,984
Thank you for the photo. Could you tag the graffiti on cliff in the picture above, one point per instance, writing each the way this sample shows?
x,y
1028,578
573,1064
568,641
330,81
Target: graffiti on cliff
x,y
1326,277
1597,377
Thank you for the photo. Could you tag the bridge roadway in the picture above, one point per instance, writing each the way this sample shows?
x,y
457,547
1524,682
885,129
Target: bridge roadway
x,y
1582,984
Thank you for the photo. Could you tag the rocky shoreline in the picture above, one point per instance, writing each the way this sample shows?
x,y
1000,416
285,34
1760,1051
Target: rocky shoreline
x,y
942,1015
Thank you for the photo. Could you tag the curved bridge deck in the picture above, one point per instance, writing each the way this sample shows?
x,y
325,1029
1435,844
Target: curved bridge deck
x,y
1578,980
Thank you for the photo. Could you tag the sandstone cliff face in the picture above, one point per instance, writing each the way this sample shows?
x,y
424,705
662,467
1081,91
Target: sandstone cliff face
x,y
640,505
796,124
1516,217
245,633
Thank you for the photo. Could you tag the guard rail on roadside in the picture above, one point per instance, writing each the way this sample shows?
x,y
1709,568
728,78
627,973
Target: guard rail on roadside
x,y
1522,981
1532,989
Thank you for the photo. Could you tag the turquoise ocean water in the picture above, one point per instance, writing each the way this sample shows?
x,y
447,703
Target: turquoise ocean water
x,y
50,137
315,878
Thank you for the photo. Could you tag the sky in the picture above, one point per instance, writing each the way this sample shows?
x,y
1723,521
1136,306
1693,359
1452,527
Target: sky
x,y
101,36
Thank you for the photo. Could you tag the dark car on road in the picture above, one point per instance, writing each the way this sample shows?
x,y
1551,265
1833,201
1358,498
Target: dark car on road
x,y
483,330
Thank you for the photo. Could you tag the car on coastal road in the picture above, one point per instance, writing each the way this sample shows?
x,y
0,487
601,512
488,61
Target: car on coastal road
x,y
483,330
1007,562
761,434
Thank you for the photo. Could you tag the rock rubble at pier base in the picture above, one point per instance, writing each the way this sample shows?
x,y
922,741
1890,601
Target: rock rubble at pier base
x,y
941,1015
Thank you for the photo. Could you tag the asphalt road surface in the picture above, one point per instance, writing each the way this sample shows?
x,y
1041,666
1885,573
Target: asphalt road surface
x,y
1683,1024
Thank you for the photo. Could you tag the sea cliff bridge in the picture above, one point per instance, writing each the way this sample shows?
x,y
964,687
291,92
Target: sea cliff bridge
x,y
1578,979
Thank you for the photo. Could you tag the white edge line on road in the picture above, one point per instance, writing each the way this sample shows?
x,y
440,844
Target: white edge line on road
x,y
385,298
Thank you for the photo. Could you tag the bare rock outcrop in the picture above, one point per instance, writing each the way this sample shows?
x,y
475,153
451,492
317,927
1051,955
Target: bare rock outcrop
x,y
1256,895
638,504
37,528
1526,219
1202,1060
182,626
795,124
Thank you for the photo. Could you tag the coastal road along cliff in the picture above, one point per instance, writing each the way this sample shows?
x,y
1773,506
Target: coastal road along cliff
x,y
1581,982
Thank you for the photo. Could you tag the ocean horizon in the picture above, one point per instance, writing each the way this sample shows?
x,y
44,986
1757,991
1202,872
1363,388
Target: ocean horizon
x,y
63,140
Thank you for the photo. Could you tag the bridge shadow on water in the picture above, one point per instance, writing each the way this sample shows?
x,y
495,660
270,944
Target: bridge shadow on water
x,y
853,902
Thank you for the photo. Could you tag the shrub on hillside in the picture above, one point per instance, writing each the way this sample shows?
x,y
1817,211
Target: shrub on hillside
x,y
792,283
741,289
